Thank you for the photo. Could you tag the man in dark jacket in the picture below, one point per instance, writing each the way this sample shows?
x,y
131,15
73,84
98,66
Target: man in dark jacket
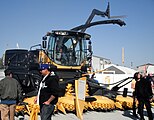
x,y
144,95
10,95
137,77
48,92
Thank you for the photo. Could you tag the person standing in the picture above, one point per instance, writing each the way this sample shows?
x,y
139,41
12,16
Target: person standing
x,y
151,79
143,92
136,78
10,95
48,92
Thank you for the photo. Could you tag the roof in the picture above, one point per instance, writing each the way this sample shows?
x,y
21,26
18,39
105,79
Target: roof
x,y
71,32
101,57
119,69
145,65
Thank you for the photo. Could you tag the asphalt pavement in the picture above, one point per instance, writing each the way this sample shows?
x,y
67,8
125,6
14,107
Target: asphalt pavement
x,y
93,115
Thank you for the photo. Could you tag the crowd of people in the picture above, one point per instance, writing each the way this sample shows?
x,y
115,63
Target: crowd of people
x,y
11,94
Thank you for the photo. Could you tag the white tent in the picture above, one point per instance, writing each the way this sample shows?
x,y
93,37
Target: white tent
x,y
113,74
126,70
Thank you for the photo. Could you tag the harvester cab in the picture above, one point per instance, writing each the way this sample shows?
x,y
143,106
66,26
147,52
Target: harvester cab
x,y
67,50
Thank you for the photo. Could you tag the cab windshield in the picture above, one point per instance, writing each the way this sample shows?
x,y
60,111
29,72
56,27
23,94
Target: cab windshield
x,y
67,50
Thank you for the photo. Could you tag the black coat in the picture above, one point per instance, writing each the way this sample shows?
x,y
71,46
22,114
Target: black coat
x,y
143,89
50,87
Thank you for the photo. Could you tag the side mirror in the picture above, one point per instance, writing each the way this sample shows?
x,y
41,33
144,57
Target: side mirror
x,y
44,38
44,44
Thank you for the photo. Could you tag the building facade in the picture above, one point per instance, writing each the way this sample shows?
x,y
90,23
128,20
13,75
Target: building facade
x,y
146,69
98,63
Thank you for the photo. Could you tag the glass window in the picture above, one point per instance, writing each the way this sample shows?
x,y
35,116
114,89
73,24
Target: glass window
x,y
67,50
51,47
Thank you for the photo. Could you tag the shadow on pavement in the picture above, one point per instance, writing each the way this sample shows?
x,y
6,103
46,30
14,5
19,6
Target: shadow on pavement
x,y
129,114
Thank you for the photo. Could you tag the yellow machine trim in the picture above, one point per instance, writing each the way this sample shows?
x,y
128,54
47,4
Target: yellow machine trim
x,y
43,58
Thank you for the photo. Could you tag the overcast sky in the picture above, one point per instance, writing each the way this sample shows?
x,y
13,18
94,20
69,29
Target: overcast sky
x,y
24,22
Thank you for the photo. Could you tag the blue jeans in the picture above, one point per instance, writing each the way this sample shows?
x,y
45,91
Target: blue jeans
x,y
47,111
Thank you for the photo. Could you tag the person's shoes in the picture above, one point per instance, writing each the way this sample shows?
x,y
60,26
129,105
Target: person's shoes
x,y
135,115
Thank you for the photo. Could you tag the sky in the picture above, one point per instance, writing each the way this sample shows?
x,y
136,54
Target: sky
x,y
25,22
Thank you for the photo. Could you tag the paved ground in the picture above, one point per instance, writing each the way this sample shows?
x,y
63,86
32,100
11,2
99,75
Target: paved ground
x,y
93,115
